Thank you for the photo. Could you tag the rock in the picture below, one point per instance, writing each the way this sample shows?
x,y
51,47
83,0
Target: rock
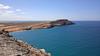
x,y
42,50
61,22
18,55
9,46
49,54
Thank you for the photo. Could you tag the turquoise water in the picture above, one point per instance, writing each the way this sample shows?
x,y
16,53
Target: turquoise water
x,y
80,39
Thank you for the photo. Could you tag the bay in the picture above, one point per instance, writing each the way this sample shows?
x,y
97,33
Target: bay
x,y
80,39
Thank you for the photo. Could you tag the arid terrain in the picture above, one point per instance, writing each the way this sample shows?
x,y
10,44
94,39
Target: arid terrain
x,y
9,46
12,27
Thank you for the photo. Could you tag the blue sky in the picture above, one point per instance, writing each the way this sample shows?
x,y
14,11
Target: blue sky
x,y
49,9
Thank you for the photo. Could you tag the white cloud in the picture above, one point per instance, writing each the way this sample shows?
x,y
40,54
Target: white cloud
x,y
18,10
4,7
9,13
8,9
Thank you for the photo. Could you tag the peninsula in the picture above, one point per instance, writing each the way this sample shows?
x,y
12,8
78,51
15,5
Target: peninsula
x,y
13,27
9,46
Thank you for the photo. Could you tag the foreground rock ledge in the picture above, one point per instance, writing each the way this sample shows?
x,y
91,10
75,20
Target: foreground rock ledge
x,y
9,46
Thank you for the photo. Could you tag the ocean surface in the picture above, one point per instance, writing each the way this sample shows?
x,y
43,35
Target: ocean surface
x,y
80,39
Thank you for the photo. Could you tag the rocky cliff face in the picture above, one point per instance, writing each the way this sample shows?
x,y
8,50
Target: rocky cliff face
x,y
9,46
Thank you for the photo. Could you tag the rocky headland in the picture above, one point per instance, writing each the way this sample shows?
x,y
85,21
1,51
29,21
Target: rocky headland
x,y
9,46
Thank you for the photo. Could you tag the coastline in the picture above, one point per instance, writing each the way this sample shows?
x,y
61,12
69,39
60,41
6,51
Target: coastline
x,y
9,46
13,27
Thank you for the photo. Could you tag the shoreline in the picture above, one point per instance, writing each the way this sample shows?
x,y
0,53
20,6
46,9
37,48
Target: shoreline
x,y
13,27
9,46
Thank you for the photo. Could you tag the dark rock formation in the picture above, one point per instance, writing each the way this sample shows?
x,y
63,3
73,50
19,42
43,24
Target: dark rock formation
x,y
61,22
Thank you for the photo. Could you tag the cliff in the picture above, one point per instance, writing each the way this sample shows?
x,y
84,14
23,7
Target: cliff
x,y
9,46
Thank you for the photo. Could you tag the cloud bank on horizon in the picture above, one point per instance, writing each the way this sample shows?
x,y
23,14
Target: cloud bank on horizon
x,y
11,10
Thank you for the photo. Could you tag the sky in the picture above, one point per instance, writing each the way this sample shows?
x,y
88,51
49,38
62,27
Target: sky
x,y
11,10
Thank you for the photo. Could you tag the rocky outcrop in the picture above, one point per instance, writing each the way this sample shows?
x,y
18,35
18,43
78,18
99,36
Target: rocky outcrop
x,y
9,46
61,22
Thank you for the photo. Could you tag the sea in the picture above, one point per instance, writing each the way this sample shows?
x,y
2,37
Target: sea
x,y
79,39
